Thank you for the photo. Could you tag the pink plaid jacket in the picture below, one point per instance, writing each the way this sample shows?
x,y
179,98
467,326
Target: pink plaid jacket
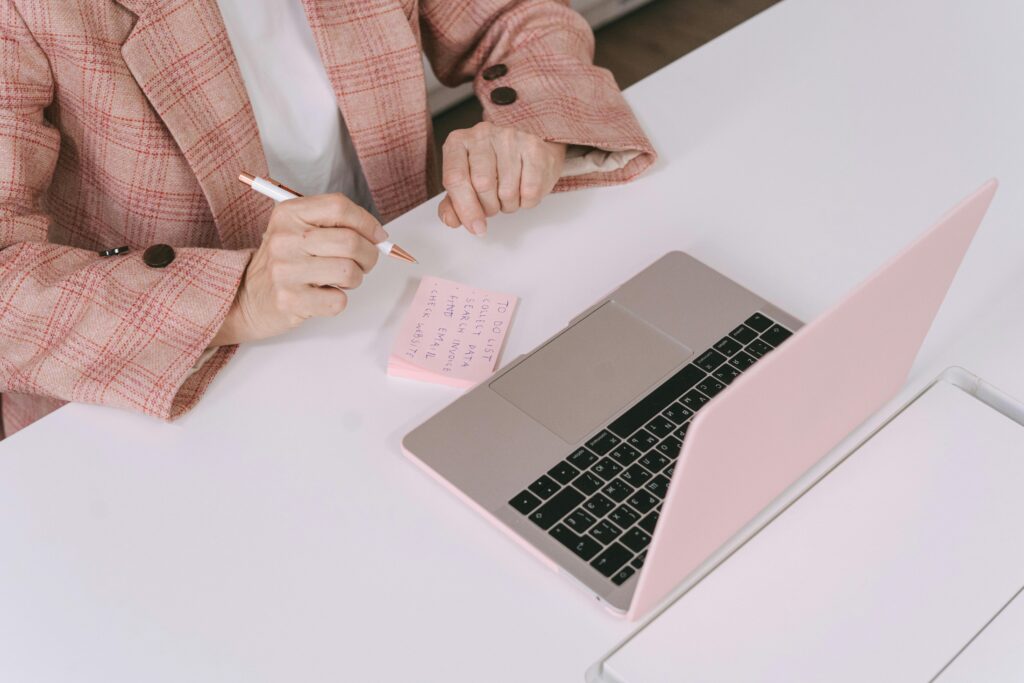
x,y
126,123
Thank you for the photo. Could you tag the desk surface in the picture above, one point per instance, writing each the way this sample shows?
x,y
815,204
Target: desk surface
x,y
277,533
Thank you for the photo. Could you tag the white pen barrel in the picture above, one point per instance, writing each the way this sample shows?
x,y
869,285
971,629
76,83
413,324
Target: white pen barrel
x,y
268,189
385,247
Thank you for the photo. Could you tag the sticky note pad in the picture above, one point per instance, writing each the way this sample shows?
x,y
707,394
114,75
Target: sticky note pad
x,y
452,334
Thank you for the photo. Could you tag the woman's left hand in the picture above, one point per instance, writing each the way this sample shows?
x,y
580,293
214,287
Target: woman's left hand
x,y
489,168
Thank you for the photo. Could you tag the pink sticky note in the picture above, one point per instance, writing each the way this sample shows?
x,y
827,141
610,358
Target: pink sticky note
x,y
452,334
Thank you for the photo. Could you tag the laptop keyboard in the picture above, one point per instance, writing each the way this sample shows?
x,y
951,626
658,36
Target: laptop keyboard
x,y
603,501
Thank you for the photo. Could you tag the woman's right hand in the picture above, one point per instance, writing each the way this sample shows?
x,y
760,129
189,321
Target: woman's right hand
x,y
314,249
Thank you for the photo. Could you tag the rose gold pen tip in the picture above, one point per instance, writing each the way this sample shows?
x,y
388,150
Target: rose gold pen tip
x,y
400,253
247,178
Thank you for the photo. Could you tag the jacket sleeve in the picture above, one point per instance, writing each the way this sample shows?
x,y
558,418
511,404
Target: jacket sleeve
x,y
561,96
74,325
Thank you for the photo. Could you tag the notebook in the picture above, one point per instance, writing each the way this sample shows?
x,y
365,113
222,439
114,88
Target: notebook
x,y
891,568
452,334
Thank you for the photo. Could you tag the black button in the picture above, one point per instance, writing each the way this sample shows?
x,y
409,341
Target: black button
x,y
588,482
545,487
550,512
583,546
525,502
116,251
496,71
504,95
759,322
158,256
611,559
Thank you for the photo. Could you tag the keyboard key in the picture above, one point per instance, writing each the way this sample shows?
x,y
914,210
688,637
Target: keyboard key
x,y
670,447
582,458
759,322
669,470
624,516
563,472
545,487
660,426
742,360
556,508
726,374
636,476
638,561
680,432
743,334
611,559
757,348
579,521
624,454
727,346
617,490
679,413
599,505
605,532
709,360
623,574
711,387
583,546
606,468
694,400
776,334
658,486
636,539
654,461
588,482
641,500
648,522
603,442
524,502
643,440
655,402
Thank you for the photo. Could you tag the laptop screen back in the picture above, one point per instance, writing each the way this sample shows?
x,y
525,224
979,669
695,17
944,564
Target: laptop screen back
x,y
801,400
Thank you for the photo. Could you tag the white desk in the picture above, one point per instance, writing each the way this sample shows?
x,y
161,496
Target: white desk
x,y
277,534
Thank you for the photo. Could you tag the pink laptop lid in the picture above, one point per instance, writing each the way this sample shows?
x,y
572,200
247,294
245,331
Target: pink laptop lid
x,y
801,400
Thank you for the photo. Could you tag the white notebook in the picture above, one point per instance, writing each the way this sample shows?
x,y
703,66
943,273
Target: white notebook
x,y
897,566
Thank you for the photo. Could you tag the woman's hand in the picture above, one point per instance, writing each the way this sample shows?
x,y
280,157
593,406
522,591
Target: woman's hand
x,y
314,249
489,168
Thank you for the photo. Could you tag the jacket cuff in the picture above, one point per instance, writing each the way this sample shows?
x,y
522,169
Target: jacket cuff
x,y
197,364
579,105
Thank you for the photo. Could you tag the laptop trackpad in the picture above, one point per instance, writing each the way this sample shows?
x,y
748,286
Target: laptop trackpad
x,y
580,379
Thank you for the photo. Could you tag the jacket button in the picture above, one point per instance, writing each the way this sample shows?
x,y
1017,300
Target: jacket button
x,y
503,96
158,256
496,71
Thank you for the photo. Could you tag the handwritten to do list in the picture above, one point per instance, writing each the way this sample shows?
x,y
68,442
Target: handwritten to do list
x,y
452,334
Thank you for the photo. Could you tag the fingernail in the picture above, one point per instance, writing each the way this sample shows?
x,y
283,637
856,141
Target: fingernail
x,y
479,226
380,234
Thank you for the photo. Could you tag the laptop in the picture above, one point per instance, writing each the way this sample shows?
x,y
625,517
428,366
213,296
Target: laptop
x,y
625,450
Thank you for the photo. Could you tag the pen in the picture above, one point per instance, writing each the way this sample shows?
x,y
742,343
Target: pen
x,y
279,193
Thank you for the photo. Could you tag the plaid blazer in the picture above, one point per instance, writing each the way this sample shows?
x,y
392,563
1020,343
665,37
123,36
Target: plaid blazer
x,y
125,122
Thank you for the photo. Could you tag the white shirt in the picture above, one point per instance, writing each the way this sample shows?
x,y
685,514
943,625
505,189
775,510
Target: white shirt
x,y
302,130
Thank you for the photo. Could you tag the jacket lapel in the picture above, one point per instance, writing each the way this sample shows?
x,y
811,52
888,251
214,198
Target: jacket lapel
x,y
181,57
373,59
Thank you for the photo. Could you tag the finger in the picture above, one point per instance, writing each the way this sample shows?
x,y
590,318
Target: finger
x,y
446,212
341,243
483,173
460,189
510,171
336,211
332,272
316,302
